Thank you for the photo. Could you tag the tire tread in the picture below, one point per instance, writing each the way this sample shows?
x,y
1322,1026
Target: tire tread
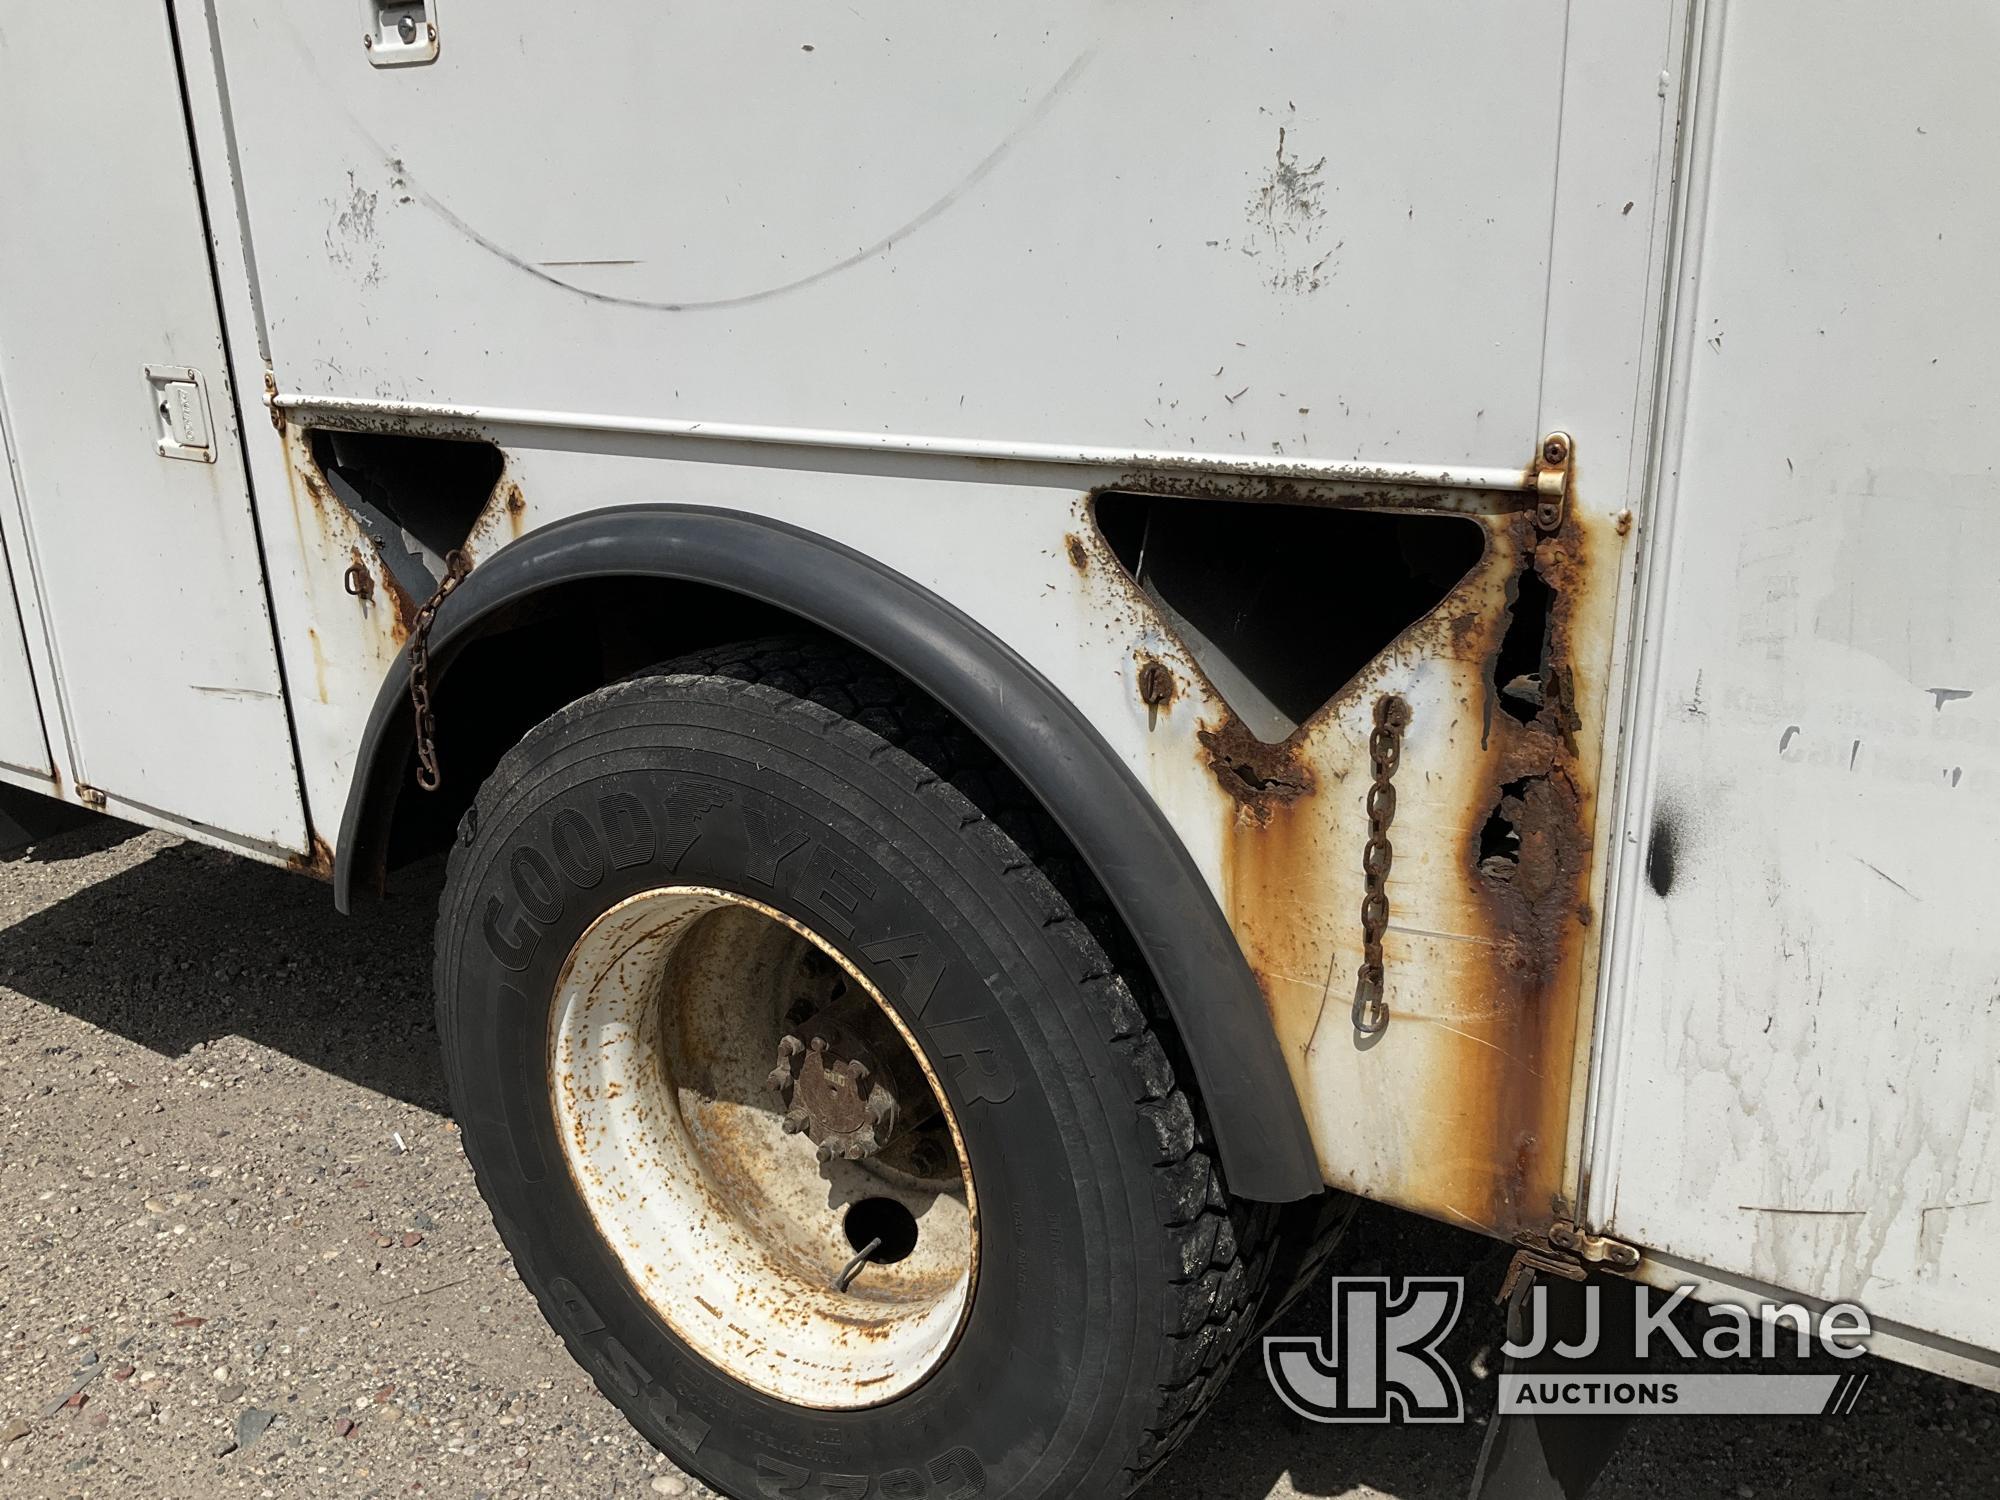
x,y
1219,1250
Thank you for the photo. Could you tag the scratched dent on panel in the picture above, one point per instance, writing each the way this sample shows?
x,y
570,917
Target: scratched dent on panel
x,y
1461,1107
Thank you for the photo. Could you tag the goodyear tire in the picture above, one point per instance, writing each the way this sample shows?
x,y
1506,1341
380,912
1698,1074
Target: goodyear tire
x,y
1090,1280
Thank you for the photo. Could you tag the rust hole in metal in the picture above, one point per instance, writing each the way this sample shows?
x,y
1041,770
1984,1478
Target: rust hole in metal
x,y
1258,775
1499,836
1531,849
1079,555
1521,669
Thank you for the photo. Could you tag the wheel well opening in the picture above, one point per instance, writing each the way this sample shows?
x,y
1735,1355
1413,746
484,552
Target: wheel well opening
x,y
566,641
547,651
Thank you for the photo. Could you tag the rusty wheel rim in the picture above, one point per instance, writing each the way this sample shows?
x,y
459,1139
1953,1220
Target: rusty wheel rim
x,y
665,1022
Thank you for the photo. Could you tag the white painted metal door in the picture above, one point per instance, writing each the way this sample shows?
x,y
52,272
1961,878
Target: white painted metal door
x,y
146,565
23,745
1798,1083
1136,227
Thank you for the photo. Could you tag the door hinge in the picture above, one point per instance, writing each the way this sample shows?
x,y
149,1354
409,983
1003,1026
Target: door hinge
x,y
1528,1261
1565,1251
1596,1249
89,796
1552,471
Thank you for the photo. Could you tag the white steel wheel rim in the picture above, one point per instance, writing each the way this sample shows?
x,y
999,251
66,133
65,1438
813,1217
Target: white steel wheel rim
x,y
665,1021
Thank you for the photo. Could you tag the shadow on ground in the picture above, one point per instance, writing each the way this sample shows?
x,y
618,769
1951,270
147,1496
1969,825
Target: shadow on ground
x,y
189,944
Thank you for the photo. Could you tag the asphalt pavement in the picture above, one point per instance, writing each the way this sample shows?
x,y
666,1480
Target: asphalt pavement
x,y
241,1251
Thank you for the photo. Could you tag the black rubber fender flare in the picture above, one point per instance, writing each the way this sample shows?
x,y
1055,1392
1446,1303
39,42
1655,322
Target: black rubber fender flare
x,y
1120,831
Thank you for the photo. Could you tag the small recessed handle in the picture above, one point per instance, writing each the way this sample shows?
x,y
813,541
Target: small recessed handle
x,y
180,396
398,35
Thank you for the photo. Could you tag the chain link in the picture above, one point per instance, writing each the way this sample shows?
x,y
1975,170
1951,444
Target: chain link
x,y
1385,753
455,569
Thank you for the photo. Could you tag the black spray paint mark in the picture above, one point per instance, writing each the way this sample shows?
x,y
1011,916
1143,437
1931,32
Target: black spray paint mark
x,y
1662,853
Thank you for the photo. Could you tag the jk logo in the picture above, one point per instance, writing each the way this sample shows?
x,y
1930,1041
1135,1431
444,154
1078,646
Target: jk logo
x,y
1381,1363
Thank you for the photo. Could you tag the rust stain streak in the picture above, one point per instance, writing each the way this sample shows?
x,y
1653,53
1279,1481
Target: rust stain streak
x,y
317,861
1462,1108
503,519
332,541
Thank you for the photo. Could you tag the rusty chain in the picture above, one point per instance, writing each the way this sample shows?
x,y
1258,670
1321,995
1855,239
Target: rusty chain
x,y
455,569
1385,753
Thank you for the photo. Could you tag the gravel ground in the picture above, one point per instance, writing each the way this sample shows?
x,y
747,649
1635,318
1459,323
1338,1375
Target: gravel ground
x,y
241,1252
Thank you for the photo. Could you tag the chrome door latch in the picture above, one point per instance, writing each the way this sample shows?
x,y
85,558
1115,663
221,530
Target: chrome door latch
x,y
401,34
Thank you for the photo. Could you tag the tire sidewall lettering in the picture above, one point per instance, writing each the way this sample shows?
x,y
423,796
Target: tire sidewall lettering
x,y
955,1474
568,852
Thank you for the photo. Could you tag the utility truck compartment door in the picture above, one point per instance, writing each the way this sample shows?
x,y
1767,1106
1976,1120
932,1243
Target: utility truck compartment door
x,y
1799,1080
132,490
1275,228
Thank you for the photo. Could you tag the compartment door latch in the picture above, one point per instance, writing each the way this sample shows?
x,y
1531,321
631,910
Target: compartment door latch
x,y
398,35
180,398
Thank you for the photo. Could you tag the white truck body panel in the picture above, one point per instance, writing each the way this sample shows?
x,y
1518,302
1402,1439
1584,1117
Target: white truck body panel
x,y
23,746
161,661
1243,217
912,202
1803,1018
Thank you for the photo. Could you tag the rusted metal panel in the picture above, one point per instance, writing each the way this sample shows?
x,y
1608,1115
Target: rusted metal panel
x,y
360,626
902,427
351,592
1461,1108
